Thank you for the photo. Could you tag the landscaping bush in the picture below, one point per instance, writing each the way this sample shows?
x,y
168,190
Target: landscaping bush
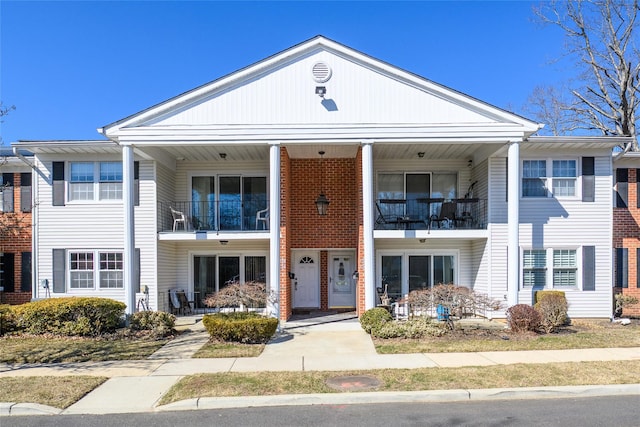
x,y
622,301
374,318
245,295
79,316
244,327
420,327
553,311
7,319
159,322
538,295
523,318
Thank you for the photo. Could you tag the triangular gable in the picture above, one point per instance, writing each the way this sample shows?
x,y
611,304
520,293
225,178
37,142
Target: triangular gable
x,y
280,91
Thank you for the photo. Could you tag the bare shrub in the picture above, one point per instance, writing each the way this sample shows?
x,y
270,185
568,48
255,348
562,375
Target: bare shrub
x,y
523,318
458,300
553,311
242,295
622,301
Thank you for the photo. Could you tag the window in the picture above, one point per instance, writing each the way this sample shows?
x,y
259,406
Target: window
x,y
564,178
534,178
536,181
83,183
81,270
565,268
110,181
6,192
111,270
534,268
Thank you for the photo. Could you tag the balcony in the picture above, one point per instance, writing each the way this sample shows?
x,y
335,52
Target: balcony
x,y
431,214
214,215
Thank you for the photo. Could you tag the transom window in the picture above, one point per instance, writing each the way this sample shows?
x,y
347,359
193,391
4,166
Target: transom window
x,y
536,181
565,267
83,183
534,268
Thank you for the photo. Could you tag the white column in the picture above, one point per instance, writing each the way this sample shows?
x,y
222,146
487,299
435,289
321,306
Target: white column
x,y
129,229
274,230
367,209
513,222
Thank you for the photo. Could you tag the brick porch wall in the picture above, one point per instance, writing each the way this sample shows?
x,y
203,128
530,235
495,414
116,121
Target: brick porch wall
x,y
15,237
360,298
285,240
626,234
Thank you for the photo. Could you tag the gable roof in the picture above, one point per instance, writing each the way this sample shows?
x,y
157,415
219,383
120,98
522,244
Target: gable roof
x,y
469,112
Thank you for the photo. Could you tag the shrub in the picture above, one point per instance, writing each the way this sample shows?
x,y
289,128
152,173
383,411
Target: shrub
x,y
70,316
553,311
419,327
621,301
458,300
374,318
159,322
7,319
250,294
244,327
538,295
523,318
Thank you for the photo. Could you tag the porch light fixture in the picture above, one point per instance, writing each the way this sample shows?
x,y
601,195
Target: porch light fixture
x,y
421,154
224,242
321,91
223,155
322,203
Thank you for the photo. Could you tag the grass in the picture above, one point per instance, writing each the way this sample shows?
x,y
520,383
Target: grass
x,y
521,375
45,349
581,334
215,349
59,392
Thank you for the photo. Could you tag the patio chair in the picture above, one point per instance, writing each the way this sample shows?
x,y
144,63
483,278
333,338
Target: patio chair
x,y
178,217
447,215
262,217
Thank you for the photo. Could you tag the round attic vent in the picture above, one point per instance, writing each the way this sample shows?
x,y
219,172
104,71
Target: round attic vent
x,y
321,72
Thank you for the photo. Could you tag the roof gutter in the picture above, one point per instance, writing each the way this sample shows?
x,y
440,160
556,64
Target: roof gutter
x,y
622,153
26,161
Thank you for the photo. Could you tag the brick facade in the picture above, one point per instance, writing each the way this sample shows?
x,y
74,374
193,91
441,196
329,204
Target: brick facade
x,y
15,239
626,234
301,227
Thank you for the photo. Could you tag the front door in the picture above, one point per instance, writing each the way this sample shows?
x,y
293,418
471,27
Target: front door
x,y
306,284
342,287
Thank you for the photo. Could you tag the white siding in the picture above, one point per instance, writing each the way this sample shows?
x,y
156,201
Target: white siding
x,y
349,90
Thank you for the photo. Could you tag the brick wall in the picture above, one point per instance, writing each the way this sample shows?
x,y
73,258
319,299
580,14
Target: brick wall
x,y
360,292
285,240
15,237
626,234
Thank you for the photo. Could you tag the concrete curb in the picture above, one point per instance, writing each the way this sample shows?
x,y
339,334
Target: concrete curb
x,y
402,397
15,409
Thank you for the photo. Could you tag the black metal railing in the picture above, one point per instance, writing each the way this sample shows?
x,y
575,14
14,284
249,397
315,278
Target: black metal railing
x,y
431,213
214,215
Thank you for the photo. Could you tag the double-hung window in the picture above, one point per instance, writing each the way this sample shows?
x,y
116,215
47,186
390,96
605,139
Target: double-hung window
x,y
534,268
564,178
81,270
110,181
83,182
111,270
537,182
565,267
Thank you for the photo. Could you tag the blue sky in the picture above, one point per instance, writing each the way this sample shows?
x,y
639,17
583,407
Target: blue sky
x,y
71,67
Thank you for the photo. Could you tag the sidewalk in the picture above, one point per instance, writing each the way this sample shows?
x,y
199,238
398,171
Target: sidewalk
x,y
331,343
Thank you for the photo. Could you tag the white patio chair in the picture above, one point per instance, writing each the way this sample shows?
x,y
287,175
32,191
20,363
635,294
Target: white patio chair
x,y
178,217
262,217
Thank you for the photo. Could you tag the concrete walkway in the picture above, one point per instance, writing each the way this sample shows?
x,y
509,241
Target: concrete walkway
x,y
330,343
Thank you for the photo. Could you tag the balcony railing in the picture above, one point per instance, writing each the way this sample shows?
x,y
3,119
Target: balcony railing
x,y
430,213
213,215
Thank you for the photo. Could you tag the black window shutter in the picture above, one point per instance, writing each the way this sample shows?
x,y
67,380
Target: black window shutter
x,y
7,192
136,270
637,266
588,268
622,185
25,192
506,181
26,272
8,274
136,183
622,255
638,187
58,183
59,270
588,179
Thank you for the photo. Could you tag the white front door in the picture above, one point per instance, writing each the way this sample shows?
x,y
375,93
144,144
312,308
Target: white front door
x,y
306,284
342,287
